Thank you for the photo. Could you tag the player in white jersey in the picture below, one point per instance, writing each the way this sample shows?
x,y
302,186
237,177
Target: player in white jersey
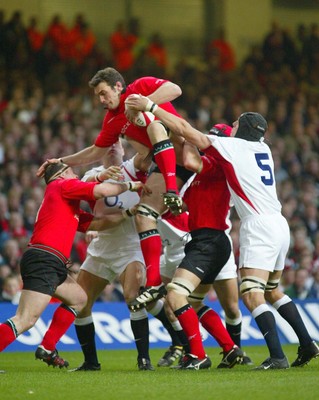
x,y
264,233
103,264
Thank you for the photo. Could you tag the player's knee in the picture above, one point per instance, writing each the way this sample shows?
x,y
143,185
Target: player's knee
x,y
145,211
130,295
231,310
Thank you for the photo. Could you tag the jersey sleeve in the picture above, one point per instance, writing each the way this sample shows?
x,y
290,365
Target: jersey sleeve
x,y
111,130
209,164
221,148
85,220
74,189
146,85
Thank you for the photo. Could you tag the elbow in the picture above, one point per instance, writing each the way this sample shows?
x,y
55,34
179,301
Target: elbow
x,y
191,164
178,90
174,90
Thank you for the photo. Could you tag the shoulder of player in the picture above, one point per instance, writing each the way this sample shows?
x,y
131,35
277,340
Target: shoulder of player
x,y
92,172
139,85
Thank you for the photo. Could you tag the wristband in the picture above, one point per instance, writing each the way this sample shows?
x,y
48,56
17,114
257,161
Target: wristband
x,y
151,106
127,213
61,161
97,178
129,185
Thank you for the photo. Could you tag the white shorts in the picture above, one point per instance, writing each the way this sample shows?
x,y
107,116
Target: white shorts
x,y
174,241
110,267
264,242
229,270
112,251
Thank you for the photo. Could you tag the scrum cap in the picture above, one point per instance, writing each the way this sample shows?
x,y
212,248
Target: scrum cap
x,y
53,171
251,126
220,130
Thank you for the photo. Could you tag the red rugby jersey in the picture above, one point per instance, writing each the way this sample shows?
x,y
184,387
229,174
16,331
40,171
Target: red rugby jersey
x,y
60,216
208,197
115,123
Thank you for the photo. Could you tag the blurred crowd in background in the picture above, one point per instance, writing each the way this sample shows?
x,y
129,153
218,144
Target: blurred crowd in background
x,y
48,110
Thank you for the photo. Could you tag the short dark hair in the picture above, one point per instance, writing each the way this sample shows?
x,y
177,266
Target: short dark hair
x,y
53,171
108,75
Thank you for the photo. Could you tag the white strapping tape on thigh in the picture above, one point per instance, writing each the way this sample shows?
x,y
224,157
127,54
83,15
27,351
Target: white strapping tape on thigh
x,y
147,211
252,284
271,285
181,286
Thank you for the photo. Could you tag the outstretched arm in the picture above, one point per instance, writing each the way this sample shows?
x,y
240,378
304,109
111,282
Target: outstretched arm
x,y
86,156
113,189
177,125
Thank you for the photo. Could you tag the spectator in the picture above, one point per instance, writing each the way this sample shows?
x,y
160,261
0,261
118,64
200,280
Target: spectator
x,y
11,289
224,52
58,33
156,51
12,254
4,219
35,36
314,289
121,47
299,289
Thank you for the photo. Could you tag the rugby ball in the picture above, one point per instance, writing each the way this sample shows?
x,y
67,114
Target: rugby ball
x,y
144,118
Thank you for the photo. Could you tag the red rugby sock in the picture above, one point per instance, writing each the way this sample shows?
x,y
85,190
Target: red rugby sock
x,y
62,319
151,245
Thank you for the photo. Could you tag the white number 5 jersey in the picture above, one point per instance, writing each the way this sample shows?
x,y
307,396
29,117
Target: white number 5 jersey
x,y
249,170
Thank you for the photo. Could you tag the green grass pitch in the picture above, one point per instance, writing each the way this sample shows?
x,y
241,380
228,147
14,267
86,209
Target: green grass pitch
x,y
119,379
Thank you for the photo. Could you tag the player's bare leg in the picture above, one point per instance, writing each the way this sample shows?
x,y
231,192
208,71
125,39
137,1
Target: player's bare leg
x,y
149,209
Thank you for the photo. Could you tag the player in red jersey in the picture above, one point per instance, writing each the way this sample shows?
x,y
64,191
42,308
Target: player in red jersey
x,y
44,264
264,233
111,89
174,231
205,255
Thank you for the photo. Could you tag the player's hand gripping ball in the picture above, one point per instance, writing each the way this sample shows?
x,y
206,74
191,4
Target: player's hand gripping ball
x,y
144,118
139,118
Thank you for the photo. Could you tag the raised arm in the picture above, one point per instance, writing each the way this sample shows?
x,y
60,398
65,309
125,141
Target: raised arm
x,y
177,125
86,156
113,189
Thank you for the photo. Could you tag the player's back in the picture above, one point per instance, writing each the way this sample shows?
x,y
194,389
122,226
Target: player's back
x,y
249,170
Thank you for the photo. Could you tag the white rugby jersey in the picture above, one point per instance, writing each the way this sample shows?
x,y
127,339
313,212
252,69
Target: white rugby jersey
x,y
249,170
114,204
123,238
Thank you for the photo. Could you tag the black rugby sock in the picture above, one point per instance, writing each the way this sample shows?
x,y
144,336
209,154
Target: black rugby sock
x,y
86,337
291,314
267,325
